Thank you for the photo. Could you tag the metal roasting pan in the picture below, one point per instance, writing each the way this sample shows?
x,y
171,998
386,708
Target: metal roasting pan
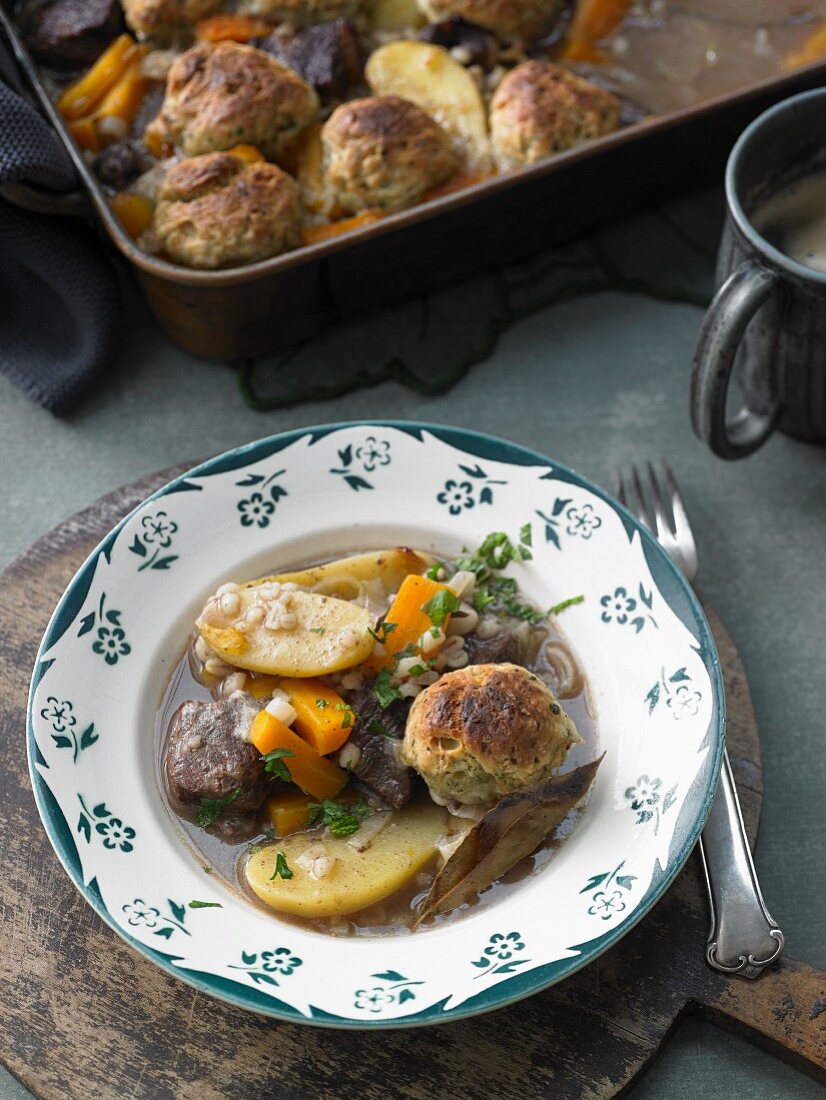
x,y
271,305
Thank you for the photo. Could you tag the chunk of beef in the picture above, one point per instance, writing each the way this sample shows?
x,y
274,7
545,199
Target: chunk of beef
x,y
327,55
68,34
378,765
474,45
499,649
208,755
118,165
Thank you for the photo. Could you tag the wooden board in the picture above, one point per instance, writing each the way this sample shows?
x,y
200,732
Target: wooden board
x,y
71,1027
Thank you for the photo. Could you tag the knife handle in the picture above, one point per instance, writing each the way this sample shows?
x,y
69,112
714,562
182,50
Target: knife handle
x,y
743,938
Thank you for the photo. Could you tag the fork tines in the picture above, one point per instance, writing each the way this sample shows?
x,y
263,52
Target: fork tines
x,y
651,492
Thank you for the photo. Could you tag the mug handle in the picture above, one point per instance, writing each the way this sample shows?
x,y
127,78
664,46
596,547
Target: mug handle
x,y
734,305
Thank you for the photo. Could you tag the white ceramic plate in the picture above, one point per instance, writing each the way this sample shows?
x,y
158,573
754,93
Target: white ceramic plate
x,y
123,622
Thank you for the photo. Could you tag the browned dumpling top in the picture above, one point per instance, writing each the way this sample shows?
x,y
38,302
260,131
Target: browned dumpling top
x,y
484,731
217,211
383,152
540,109
225,94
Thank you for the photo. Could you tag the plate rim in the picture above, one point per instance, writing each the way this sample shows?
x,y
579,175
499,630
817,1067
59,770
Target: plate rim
x,y
530,983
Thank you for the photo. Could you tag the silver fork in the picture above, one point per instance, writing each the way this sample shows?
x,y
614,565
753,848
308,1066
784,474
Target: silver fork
x,y
743,937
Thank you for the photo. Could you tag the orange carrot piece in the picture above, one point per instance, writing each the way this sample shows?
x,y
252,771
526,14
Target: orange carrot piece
x,y
324,719
289,811
134,212
85,133
231,28
156,146
593,20
312,234
225,639
125,98
314,774
79,98
411,621
248,153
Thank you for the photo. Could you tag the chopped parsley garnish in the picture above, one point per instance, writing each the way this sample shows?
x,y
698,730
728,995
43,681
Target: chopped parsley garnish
x,y
435,571
375,726
210,809
441,605
341,820
274,764
555,610
418,670
496,552
205,905
348,713
384,629
383,689
321,704
316,629
281,868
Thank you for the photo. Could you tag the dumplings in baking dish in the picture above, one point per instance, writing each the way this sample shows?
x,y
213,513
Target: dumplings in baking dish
x,y
369,108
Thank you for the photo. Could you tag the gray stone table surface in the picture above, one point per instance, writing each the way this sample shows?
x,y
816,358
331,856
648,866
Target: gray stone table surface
x,y
594,382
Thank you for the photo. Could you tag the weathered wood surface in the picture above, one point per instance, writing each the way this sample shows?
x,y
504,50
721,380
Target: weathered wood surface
x,y
81,1014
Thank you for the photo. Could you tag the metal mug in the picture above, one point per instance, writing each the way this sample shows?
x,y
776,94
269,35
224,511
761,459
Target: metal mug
x,y
766,326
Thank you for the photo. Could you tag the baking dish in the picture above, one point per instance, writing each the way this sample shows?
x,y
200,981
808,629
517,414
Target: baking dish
x,y
270,305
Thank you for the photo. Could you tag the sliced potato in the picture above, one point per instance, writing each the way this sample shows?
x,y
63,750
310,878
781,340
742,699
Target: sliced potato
x,y
329,635
394,16
342,577
356,879
429,76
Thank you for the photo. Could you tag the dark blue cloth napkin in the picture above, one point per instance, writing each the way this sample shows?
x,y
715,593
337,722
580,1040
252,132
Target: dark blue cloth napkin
x,y
60,301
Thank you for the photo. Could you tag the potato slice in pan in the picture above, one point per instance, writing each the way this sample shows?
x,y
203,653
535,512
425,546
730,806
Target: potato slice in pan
x,y
507,833
395,16
428,76
343,576
335,877
327,635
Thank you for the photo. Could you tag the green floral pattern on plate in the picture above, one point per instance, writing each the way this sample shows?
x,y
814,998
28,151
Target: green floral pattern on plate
x,y
645,800
369,457
101,822
578,521
59,713
606,899
257,509
620,608
677,693
499,957
460,494
138,913
110,639
263,968
396,989
155,536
